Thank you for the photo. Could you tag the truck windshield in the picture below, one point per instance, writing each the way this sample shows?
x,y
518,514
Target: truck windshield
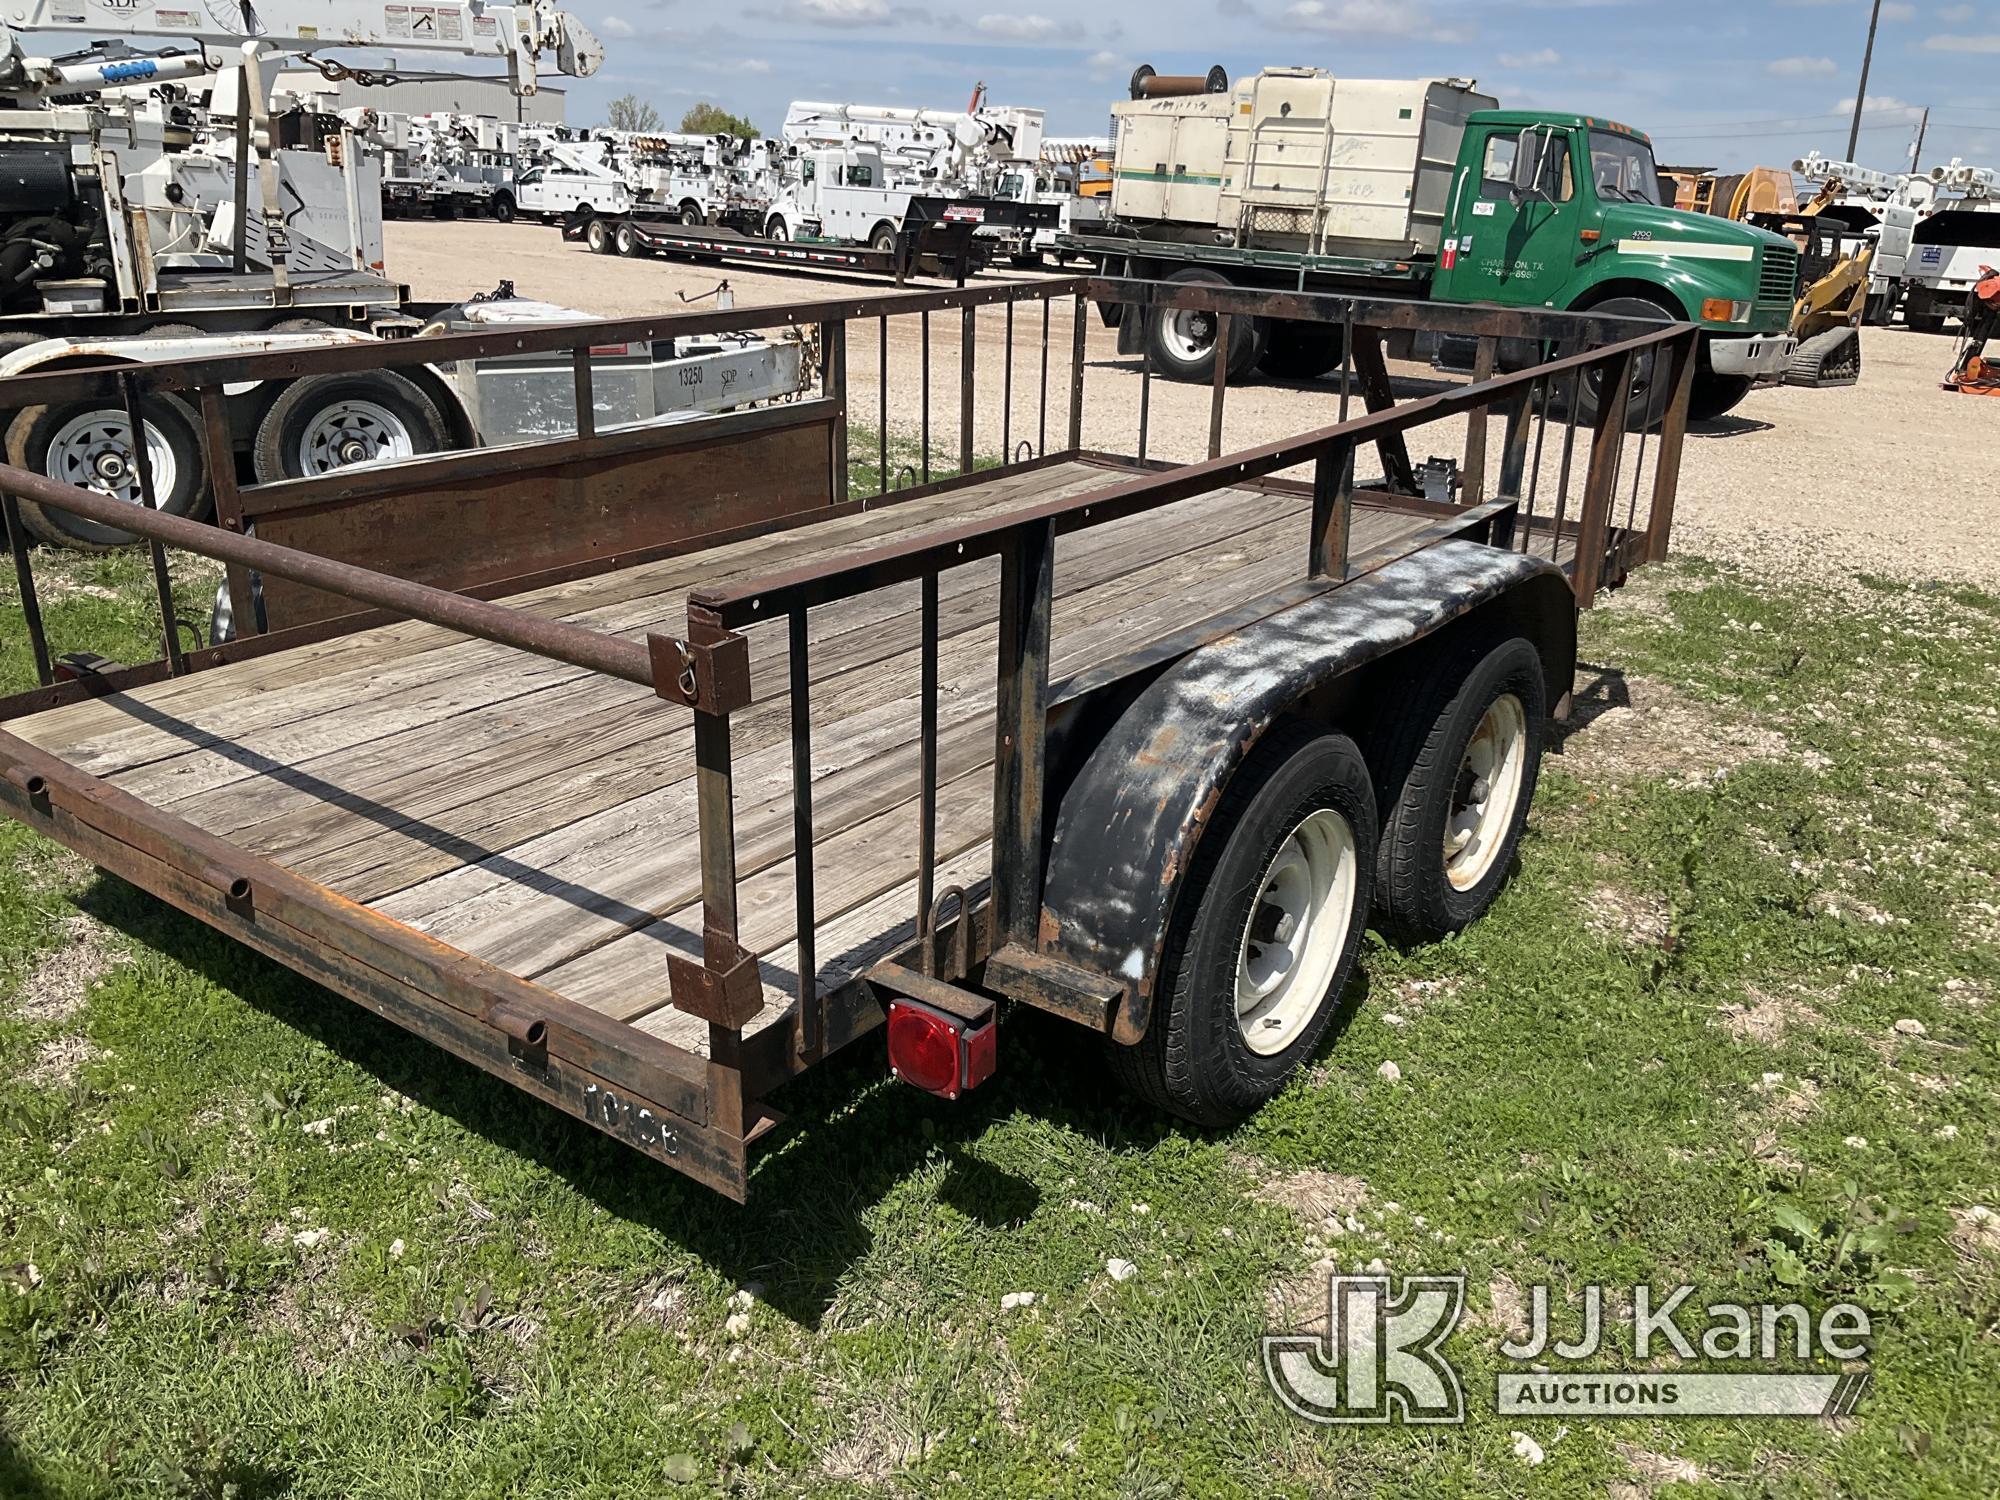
x,y
1623,168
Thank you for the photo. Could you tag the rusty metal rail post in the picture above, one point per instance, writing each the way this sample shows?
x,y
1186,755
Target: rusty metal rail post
x,y
1076,335
163,582
710,672
833,386
1475,426
218,453
1220,383
1667,465
24,579
1027,588
967,353
1607,441
585,397
1333,511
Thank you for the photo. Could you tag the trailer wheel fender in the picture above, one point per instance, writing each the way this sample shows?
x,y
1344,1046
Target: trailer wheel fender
x,y
1132,804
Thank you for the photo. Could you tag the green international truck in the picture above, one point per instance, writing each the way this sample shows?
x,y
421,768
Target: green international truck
x,y
1422,188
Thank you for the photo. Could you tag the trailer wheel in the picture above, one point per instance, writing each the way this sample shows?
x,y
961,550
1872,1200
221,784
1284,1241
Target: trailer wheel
x,y
1182,343
90,446
503,208
626,239
597,234
1302,351
328,422
1266,932
1456,775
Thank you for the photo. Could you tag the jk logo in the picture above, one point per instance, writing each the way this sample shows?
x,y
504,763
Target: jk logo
x,y
1379,1361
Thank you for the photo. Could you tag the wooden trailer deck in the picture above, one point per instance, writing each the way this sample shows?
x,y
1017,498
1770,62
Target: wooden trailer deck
x,y
542,817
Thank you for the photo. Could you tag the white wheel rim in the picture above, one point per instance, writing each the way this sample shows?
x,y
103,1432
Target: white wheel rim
x,y
93,451
1188,334
345,434
1295,933
1486,792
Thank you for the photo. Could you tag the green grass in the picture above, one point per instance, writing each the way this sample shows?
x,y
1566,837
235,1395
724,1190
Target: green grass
x,y
1793,853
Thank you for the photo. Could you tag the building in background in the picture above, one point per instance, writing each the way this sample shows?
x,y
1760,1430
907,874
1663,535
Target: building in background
x,y
422,96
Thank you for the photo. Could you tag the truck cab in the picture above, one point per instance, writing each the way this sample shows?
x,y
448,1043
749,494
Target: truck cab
x,y
839,193
1563,211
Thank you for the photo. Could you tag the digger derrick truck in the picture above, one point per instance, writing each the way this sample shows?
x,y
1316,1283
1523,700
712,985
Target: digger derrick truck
x,y
119,200
1425,188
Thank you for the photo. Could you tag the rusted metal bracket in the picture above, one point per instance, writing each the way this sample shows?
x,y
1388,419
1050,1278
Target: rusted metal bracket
x,y
1050,984
729,995
33,785
711,676
973,1009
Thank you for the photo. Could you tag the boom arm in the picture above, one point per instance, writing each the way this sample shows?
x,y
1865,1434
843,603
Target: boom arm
x,y
532,36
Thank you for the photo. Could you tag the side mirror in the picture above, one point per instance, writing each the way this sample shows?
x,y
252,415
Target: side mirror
x,y
1528,157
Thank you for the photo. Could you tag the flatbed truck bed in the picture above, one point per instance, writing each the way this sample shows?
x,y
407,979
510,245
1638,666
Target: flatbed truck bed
x,y
483,821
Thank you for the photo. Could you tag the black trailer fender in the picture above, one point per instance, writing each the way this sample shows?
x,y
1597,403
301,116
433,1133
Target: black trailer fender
x,y
1128,821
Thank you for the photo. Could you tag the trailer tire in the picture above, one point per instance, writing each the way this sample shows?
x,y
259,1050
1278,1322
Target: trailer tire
x,y
1302,351
598,235
326,422
1292,841
75,441
1483,719
1182,343
503,208
626,239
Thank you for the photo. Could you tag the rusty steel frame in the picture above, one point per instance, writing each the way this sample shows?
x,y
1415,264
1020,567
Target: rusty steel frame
x,y
701,1115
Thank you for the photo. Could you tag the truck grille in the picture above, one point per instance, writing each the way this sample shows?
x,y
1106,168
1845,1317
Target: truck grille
x,y
1778,274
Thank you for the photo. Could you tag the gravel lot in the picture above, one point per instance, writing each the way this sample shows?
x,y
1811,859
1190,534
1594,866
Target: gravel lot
x,y
1879,477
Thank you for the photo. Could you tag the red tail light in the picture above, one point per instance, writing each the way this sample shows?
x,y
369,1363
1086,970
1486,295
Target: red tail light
x,y
939,1053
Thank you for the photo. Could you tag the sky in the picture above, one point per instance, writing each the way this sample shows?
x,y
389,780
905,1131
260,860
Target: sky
x,y
1716,84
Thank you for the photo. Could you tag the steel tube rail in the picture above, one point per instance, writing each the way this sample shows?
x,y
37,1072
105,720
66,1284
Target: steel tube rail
x,y
755,598
629,660
547,338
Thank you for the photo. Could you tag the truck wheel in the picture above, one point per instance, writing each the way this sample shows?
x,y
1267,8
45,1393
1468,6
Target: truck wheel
x,y
691,213
1715,394
777,229
597,234
1182,343
626,239
884,237
503,208
1647,403
90,446
445,208
1302,351
1456,775
328,422
1266,933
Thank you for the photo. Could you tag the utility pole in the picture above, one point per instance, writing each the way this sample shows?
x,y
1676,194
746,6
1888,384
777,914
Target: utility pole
x,y
1917,146
1861,93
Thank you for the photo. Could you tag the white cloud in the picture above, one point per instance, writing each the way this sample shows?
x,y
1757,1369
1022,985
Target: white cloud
x,y
1367,18
737,65
1546,57
1803,67
1108,65
616,26
1885,109
1896,11
1956,13
1009,28
1989,43
841,12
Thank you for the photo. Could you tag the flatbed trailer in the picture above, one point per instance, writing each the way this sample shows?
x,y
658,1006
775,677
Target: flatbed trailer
x,y
938,237
646,768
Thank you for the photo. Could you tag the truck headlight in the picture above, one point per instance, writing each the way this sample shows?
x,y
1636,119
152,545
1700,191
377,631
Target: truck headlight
x,y
1722,310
